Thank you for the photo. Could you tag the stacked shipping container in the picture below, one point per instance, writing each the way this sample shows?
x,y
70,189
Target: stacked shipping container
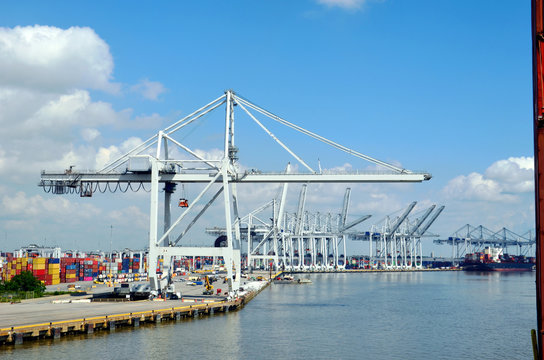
x,y
53,271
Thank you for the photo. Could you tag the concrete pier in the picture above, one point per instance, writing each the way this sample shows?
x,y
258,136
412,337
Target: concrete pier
x,y
43,318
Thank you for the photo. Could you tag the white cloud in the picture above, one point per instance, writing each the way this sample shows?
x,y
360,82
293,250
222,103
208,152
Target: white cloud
x,y
89,134
339,169
212,154
52,59
502,181
149,89
65,111
44,76
106,155
134,213
51,208
344,4
47,135
516,174
153,121
48,120
475,187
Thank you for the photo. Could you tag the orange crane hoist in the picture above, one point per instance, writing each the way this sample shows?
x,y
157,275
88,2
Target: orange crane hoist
x,y
183,202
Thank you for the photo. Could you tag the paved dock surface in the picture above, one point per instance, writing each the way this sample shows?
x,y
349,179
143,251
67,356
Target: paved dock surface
x,y
43,310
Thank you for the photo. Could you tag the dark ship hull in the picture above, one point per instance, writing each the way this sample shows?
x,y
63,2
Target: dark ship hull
x,y
502,266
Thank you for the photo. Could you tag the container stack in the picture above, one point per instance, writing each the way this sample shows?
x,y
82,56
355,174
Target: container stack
x,y
68,270
135,264
39,268
53,272
89,267
125,266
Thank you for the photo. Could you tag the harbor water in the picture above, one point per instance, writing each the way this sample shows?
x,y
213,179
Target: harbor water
x,y
417,315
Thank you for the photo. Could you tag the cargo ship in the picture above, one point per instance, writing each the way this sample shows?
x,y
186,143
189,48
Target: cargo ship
x,y
493,259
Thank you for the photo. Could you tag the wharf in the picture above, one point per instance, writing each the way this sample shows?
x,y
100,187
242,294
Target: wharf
x,y
53,317
368,270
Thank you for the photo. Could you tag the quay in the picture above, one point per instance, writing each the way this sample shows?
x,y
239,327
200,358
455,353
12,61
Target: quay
x,y
57,316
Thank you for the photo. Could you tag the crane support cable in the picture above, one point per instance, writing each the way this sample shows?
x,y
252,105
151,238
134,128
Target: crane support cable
x,y
153,140
319,137
192,119
191,152
276,139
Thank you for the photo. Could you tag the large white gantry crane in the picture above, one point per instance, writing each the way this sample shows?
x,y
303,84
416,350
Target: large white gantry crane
x,y
153,162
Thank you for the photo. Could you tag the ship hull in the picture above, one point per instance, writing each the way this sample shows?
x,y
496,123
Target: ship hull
x,y
499,267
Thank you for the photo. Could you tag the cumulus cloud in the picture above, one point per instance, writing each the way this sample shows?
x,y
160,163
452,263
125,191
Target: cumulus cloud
x,y
106,155
65,111
45,74
48,120
89,134
53,59
149,89
502,181
516,174
134,213
476,187
347,167
344,4
153,121
212,154
52,208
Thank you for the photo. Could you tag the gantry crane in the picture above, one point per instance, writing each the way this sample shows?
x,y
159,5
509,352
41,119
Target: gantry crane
x,y
152,163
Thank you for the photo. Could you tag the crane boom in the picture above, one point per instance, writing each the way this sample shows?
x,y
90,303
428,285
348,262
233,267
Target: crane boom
x,y
300,210
403,217
431,220
355,222
345,207
421,220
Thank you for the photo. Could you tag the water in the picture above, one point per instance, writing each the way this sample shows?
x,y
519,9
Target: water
x,y
432,315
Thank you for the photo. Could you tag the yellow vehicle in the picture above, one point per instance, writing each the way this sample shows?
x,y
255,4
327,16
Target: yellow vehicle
x,y
209,287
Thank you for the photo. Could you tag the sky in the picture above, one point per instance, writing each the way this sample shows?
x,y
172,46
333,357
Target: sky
x,y
438,86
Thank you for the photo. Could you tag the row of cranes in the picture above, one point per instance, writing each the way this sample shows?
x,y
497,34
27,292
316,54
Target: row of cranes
x,y
396,244
300,241
316,241
470,239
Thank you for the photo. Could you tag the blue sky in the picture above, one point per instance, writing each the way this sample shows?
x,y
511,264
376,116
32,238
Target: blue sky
x,y
440,86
